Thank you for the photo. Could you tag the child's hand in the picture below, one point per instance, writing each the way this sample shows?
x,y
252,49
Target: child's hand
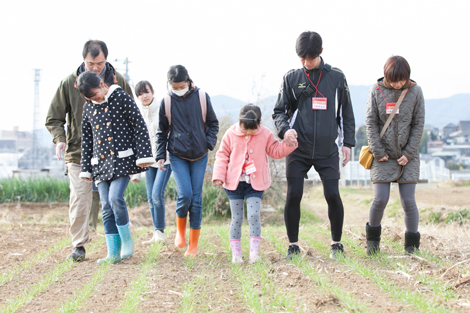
x,y
290,137
135,181
161,164
86,179
218,182
145,165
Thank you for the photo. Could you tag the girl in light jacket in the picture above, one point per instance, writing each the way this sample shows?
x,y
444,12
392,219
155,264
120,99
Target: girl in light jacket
x,y
242,167
155,179
396,154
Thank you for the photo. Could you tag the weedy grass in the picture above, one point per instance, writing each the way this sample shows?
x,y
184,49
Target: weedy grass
x,y
418,300
139,286
59,245
16,303
44,189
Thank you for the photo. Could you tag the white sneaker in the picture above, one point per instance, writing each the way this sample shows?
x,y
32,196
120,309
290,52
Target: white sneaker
x,y
159,236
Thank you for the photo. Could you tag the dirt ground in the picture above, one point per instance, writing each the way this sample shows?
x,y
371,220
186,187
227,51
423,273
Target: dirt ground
x,y
211,283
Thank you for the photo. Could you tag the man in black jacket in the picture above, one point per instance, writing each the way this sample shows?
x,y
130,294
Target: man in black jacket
x,y
314,106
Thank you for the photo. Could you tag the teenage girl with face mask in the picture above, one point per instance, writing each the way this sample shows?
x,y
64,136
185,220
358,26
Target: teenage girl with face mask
x,y
155,179
187,140
242,167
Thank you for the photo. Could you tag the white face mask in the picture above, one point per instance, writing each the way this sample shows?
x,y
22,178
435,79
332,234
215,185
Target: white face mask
x,y
181,92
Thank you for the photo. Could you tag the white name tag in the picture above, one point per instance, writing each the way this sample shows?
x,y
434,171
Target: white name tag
x,y
319,103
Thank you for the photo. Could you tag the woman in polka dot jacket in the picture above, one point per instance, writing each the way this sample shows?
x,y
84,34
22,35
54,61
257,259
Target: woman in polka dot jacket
x,y
115,144
241,166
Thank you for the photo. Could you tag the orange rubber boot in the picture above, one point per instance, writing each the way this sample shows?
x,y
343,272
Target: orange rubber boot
x,y
193,239
180,238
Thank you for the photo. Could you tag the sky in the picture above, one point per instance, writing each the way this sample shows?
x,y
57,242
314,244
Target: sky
x,y
240,49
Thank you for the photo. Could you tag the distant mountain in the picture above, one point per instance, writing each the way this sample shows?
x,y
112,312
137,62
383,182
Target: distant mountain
x,y
439,112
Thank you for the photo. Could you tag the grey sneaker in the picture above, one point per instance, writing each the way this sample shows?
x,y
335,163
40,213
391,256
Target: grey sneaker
x,y
77,255
293,250
336,250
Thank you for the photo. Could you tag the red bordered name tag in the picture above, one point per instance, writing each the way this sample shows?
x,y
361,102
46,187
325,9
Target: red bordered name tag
x,y
389,108
249,167
319,103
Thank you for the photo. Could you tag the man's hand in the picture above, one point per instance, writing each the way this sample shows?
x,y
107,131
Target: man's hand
x,y
290,137
218,182
403,160
161,164
346,155
384,158
60,150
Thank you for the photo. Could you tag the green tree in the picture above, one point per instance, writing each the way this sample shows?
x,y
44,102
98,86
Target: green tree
x,y
423,146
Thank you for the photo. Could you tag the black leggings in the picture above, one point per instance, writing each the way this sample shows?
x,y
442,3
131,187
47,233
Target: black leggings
x,y
295,189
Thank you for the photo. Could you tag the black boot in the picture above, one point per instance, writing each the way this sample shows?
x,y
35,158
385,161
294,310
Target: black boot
x,y
373,239
412,242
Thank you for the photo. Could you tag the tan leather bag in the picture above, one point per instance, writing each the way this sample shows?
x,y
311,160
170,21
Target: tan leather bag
x,y
366,157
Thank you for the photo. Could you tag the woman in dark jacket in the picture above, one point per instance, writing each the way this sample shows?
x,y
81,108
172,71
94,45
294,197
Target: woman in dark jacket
x,y
396,155
188,128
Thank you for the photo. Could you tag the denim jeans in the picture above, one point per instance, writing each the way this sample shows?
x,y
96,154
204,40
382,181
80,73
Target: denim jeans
x,y
244,190
156,181
113,205
189,178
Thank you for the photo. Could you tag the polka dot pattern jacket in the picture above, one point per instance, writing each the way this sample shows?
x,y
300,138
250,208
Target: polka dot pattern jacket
x,y
115,138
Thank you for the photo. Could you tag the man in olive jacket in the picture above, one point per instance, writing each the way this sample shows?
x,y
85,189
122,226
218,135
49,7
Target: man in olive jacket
x,y
67,107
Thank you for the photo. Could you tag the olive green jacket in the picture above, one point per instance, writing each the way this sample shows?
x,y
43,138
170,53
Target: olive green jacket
x,y
67,107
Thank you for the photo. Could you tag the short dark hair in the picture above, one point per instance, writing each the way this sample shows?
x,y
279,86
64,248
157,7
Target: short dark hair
x,y
87,82
179,73
309,45
250,116
142,87
396,69
94,47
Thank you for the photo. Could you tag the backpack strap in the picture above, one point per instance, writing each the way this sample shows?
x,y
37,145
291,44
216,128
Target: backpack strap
x,y
168,108
203,101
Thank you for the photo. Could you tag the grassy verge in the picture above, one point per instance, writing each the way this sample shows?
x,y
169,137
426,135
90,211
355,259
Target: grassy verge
x,y
62,243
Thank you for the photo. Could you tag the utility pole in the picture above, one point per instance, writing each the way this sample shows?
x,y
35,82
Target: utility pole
x,y
36,118
126,63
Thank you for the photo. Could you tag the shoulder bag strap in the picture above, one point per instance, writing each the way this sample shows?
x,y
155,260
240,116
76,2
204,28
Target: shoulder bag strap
x,y
395,109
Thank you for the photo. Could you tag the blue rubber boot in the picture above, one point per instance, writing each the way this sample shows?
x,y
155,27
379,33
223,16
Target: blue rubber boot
x,y
127,243
113,242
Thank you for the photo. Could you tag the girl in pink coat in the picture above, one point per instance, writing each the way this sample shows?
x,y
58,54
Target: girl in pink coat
x,y
241,167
